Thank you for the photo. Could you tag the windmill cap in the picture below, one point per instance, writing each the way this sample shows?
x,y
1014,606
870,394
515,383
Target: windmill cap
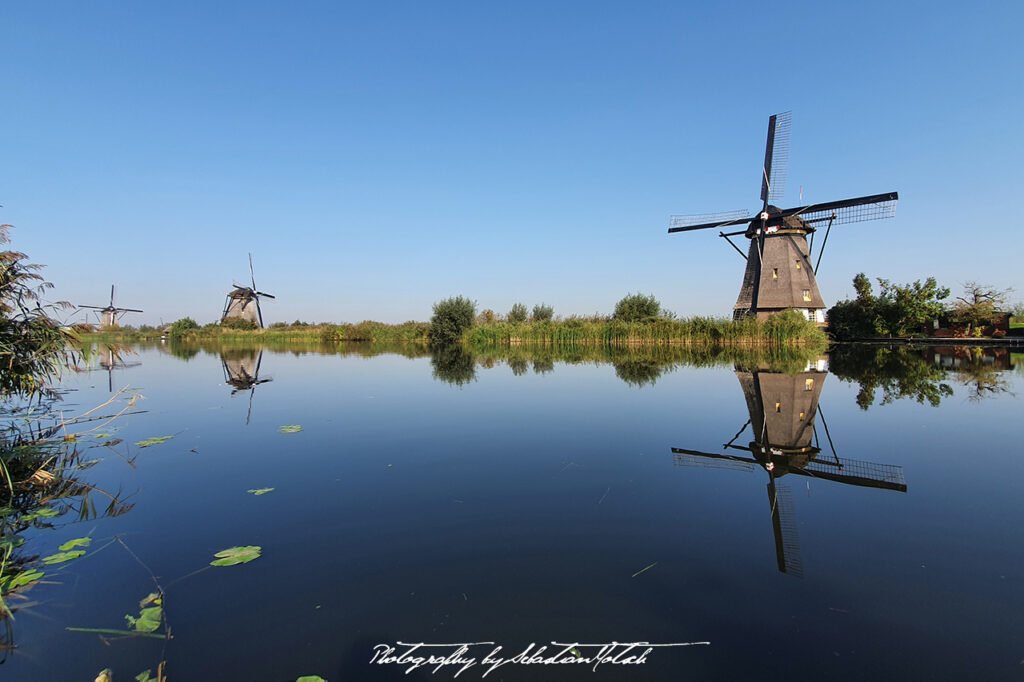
x,y
788,223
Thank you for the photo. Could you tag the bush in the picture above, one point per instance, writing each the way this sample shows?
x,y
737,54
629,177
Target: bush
x,y
898,310
542,313
485,317
451,317
183,326
637,308
518,313
238,323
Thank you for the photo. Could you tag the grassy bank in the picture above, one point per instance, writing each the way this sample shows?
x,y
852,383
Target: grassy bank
x,y
377,332
781,330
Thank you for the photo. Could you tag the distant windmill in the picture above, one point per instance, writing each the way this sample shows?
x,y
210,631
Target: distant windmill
x,y
243,302
779,274
109,313
782,410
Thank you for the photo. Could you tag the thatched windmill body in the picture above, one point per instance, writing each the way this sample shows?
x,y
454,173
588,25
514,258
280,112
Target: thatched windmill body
x,y
109,313
779,274
243,303
782,410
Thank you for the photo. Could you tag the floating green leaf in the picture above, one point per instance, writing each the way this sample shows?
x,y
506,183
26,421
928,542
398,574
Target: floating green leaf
x,y
144,676
42,512
236,555
259,491
20,580
77,542
155,440
111,443
61,557
310,678
290,428
102,435
148,620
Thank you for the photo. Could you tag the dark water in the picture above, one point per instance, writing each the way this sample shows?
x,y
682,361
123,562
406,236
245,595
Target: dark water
x,y
519,500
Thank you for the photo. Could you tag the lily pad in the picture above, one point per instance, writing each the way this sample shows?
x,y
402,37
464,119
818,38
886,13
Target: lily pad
x,y
236,555
61,557
148,620
290,428
77,542
259,491
155,440
310,678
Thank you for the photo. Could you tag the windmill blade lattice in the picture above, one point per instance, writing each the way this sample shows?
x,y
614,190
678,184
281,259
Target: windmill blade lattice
x,y
776,157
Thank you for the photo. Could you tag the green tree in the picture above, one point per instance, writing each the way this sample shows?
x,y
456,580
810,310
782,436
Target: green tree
x,y
518,313
34,347
637,308
542,313
898,310
183,326
452,316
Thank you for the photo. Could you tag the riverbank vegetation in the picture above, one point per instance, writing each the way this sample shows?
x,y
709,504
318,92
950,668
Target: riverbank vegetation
x,y
918,309
637,320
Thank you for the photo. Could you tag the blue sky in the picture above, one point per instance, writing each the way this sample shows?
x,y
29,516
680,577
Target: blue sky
x,y
378,157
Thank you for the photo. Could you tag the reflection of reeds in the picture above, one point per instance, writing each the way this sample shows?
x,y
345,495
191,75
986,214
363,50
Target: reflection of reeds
x,y
41,462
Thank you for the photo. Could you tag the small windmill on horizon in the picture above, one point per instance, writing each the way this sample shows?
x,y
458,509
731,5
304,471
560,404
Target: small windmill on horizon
x,y
109,313
779,275
243,303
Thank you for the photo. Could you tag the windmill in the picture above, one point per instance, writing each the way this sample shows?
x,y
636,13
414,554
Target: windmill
x,y
779,275
242,372
243,302
782,411
109,313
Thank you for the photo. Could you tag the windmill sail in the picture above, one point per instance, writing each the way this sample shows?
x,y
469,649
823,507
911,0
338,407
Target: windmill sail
x,y
776,157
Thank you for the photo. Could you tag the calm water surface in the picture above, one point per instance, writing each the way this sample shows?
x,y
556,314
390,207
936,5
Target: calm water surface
x,y
519,502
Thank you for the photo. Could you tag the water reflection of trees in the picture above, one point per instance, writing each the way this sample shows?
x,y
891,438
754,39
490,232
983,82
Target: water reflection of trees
x,y
920,374
454,364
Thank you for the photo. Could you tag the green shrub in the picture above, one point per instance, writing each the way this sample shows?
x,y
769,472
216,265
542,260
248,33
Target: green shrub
x,y
518,313
542,313
183,326
485,317
636,308
451,317
238,323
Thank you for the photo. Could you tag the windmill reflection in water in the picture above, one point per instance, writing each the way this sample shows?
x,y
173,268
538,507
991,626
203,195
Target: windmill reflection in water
x,y
242,372
785,441
112,360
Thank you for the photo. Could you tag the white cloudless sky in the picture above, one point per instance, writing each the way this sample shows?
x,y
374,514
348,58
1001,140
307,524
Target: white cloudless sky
x,y
378,157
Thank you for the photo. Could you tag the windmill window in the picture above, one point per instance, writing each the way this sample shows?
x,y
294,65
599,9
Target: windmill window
x,y
807,294
798,265
775,273
778,407
801,415
809,384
